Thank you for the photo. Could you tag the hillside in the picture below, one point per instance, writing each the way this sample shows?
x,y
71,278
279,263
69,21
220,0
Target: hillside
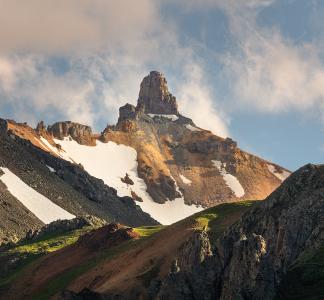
x,y
243,250
104,259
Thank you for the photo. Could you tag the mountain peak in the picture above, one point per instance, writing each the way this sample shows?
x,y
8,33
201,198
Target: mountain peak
x,y
154,96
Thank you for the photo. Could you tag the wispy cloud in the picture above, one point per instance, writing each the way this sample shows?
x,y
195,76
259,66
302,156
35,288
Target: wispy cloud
x,y
197,101
271,73
109,45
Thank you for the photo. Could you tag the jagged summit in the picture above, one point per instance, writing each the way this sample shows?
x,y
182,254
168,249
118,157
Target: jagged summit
x,y
154,96
177,163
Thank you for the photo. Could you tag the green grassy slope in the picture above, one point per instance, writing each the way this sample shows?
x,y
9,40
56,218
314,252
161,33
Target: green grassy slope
x,y
26,252
215,220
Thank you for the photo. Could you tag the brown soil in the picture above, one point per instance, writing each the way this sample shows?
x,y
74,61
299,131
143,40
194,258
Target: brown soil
x,y
123,273
40,273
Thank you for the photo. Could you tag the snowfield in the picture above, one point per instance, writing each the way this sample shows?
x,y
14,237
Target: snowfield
x,y
170,117
230,180
110,162
43,208
281,176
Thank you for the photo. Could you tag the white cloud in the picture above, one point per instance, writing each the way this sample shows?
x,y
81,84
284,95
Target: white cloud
x,y
109,45
34,87
60,26
195,101
271,73
276,76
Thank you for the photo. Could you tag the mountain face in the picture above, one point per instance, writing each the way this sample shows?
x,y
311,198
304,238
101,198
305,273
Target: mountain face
x,y
243,250
159,158
37,188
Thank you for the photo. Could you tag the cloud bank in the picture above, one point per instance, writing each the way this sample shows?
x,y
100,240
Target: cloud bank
x,y
108,47
105,48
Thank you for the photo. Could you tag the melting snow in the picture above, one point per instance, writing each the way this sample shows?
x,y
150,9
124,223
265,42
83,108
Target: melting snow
x,y
43,208
170,117
110,162
192,128
281,176
185,180
231,181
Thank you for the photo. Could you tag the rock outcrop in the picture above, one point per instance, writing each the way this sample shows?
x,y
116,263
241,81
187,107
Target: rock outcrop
x,y
41,128
3,127
80,133
107,236
63,226
154,96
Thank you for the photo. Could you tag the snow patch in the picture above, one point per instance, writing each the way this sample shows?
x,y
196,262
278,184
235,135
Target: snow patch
x,y
281,176
43,208
51,169
170,117
60,153
231,181
192,128
185,180
110,162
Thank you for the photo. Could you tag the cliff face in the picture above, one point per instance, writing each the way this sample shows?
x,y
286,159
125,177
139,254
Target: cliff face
x,y
254,255
80,133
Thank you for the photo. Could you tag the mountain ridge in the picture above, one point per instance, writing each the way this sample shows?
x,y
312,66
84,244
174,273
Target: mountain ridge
x,y
175,163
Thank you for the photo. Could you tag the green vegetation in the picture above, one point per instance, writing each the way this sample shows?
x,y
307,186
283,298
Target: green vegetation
x,y
50,243
216,219
305,279
63,280
28,251
147,231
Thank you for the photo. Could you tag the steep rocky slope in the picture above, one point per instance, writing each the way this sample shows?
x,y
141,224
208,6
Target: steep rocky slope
x,y
253,257
70,188
168,159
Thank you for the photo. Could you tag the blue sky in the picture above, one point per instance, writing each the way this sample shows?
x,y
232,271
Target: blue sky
x,y
249,69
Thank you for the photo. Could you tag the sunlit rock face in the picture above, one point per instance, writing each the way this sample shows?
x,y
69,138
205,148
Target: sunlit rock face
x,y
154,95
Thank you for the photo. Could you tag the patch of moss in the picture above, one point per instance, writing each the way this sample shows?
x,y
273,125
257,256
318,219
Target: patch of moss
x,y
216,219
146,231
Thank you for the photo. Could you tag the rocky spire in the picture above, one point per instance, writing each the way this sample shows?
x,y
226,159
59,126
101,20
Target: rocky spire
x,y
154,96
